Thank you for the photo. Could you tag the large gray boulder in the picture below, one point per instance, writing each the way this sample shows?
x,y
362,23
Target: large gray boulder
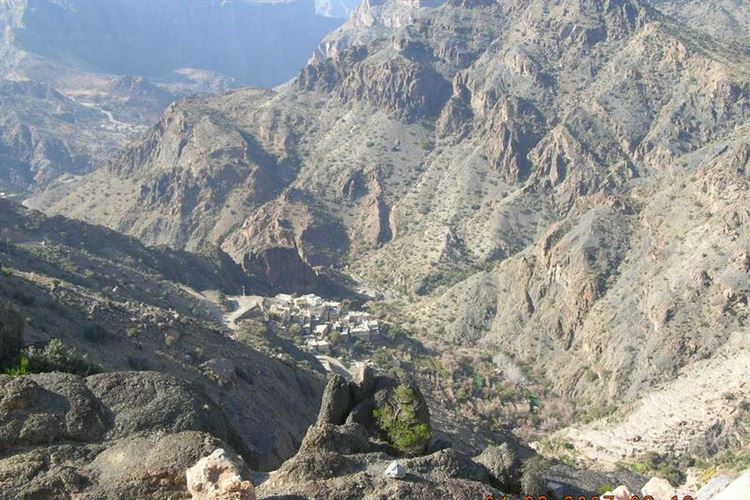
x,y
336,402
145,466
152,401
48,408
112,435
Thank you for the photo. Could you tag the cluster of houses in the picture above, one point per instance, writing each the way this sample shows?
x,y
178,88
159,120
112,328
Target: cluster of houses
x,y
320,319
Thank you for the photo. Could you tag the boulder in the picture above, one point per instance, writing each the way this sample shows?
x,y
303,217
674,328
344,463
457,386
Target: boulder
x,y
362,414
218,477
619,493
658,488
395,470
533,480
47,408
503,464
151,401
336,402
347,439
148,466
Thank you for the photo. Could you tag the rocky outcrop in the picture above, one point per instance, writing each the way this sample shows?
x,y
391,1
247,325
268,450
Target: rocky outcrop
x,y
55,407
345,459
113,434
401,86
503,464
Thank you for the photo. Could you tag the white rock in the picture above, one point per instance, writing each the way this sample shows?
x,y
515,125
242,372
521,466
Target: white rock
x,y
620,493
714,487
217,477
738,490
395,470
658,488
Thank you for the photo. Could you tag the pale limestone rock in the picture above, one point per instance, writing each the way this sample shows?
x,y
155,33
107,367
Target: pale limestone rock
x,y
658,488
217,477
738,490
395,470
620,493
714,487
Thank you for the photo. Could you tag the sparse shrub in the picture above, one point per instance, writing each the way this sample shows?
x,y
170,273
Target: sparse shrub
x,y
654,464
400,423
171,338
21,369
605,488
57,357
336,338
381,358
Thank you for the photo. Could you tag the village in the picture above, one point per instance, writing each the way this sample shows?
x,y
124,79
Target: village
x,y
321,323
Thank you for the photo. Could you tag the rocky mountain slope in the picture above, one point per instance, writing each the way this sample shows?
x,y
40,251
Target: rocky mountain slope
x,y
136,310
728,19
558,185
71,101
44,134
247,42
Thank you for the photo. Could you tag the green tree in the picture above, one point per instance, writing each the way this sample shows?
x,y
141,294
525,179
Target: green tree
x,y
381,358
336,338
57,357
400,424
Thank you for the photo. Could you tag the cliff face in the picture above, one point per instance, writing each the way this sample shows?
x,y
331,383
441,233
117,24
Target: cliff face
x,y
538,179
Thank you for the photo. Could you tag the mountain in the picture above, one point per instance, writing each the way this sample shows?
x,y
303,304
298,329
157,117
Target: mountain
x,y
727,19
106,84
249,43
341,9
556,189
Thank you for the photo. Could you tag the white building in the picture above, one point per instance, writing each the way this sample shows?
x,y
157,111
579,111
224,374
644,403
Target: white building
x,y
318,345
321,330
359,332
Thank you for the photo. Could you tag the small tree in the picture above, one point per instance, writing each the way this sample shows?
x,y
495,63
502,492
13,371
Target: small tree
x,y
400,424
336,338
57,357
